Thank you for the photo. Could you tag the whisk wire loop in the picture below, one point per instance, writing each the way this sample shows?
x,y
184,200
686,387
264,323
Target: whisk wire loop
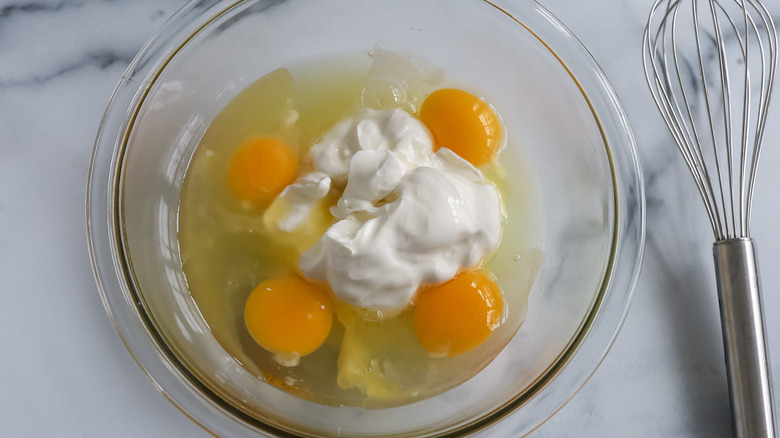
x,y
770,47
716,37
713,95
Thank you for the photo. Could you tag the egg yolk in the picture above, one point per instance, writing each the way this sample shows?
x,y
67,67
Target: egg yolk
x,y
459,315
462,123
261,168
287,315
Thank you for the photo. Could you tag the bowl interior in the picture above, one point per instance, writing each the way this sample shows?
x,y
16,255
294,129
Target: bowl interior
x,y
568,138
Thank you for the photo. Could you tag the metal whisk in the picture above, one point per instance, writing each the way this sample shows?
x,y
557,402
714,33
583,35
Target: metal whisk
x,y
710,65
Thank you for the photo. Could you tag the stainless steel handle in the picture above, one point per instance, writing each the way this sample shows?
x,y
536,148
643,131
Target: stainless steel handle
x,y
747,363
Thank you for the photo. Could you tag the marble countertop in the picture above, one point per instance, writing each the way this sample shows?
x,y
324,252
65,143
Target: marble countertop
x,y
60,61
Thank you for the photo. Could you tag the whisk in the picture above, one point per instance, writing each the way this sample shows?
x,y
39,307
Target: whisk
x,y
710,65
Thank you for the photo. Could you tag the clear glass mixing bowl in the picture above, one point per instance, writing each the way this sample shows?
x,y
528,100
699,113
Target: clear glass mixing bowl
x,y
569,129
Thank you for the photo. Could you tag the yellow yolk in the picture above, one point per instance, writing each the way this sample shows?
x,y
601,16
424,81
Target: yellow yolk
x,y
288,316
459,315
463,123
261,168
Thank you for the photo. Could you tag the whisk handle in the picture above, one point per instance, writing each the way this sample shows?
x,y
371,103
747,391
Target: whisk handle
x,y
747,363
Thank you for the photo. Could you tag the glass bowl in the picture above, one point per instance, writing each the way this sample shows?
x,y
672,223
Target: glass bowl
x,y
570,135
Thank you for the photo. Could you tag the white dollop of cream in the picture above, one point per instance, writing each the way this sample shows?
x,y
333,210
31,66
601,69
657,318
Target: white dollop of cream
x,y
390,130
407,217
302,195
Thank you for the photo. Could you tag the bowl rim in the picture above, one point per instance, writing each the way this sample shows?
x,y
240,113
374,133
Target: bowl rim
x,y
125,308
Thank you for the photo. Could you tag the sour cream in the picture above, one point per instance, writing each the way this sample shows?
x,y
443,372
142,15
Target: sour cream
x,y
407,217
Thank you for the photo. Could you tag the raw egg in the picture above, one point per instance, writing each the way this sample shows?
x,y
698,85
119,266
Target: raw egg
x,y
462,123
294,333
261,168
459,315
288,316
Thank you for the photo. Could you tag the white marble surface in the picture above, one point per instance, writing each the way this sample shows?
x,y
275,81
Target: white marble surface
x,y
64,371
